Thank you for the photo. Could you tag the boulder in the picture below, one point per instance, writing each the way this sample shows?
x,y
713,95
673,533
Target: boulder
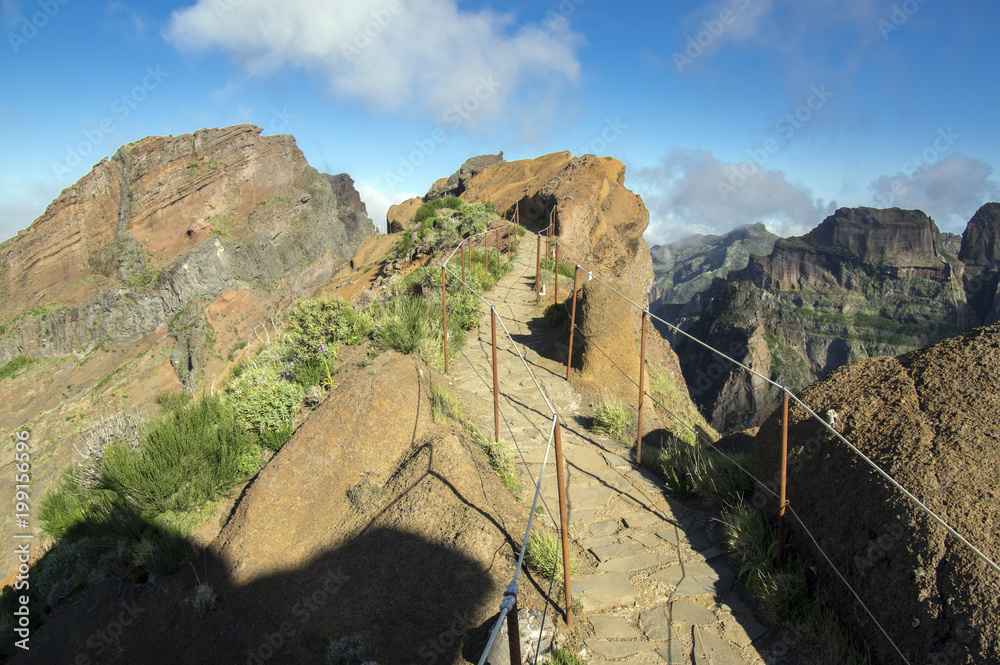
x,y
928,418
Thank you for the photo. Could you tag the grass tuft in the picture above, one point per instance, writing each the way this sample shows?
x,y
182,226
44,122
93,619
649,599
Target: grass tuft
x,y
613,420
544,556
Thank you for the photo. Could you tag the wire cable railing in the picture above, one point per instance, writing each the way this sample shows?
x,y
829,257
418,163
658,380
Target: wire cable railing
x,y
788,395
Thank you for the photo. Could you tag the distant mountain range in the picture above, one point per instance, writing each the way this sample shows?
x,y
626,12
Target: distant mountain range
x,y
866,282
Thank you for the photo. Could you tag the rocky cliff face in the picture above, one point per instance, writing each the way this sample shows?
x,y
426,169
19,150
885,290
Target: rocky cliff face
x,y
864,283
152,271
687,268
929,419
164,224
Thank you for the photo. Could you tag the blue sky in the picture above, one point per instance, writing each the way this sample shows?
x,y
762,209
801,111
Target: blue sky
x,y
725,112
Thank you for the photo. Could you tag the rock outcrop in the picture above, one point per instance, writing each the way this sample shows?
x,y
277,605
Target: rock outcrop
x,y
687,267
165,223
863,283
456,183
154,269
929,419
980,252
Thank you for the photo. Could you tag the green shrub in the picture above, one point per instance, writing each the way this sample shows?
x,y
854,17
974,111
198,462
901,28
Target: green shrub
x,y
613,420
403,324
555,315
249,463
325,322
564,657
188,457
783,592
171,400
544,556
263,401
64,508
692,471
275,439
425,211
14,365
315,370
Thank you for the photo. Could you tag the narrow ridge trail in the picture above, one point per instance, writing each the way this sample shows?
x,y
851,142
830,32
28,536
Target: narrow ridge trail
x,y
651,573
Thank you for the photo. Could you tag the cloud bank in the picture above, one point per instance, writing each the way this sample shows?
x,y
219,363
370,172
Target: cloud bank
x,y
691,191
390,55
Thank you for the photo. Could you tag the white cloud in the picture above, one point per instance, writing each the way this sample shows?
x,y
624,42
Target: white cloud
x,y
692,191
125,21
390,55
377,201
950,190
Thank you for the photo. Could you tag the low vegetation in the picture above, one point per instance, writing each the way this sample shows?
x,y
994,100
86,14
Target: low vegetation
x,y
692,471
613,420
445,407
544,555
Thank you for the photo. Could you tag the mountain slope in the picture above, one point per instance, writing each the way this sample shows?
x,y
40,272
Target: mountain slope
x,y
864,283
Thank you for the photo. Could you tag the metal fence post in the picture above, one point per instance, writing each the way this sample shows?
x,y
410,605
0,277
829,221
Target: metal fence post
x,y
509,228
538,271
444,314
563,522
572,324
642,391
555,289
496,386
514,635
784,478
463,267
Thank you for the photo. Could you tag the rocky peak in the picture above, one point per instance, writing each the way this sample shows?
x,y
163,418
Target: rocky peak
x,y
892,237
981,240
455,184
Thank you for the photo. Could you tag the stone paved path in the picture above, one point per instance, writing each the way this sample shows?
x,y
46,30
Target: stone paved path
x,y
655,586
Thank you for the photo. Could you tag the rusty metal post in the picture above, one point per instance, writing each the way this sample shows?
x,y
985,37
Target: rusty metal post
x,y
538,271
784,477
509,228
498,250
642,390
514,634
496,386
572,324
563,522
555,289
463,266
444,314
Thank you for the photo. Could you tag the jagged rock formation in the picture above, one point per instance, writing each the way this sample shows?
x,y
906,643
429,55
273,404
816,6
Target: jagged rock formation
x,y
864,283
150,273
687,267
929,419
163,224
456,183
980,252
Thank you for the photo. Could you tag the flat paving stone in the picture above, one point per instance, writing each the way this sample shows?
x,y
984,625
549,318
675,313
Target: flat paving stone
x,y
656,624
617,649
741,632
699,539
642,520
683,612
581,514
604,590
675,652
617,551
590,496
694,579
645,538
605,528
633,563
613,628
708,555
710,649
598,541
